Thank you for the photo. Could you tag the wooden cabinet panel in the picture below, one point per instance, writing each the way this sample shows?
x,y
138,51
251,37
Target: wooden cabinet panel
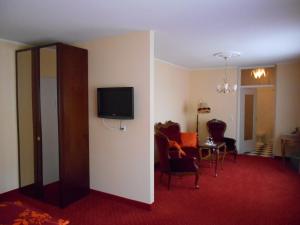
x,y
73,131
73,117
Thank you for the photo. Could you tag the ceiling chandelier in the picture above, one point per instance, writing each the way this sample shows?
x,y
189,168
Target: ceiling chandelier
x,y
226,88
258,73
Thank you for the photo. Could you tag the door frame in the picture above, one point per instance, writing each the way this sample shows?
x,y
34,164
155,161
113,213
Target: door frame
x,y
238,107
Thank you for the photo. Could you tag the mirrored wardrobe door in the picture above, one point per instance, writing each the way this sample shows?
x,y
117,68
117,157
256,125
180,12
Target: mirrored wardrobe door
x,y
49,123
27,153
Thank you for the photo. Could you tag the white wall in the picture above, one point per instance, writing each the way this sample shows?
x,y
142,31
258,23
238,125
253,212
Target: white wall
x,y
8,118
121,163
171,93
203,84
287,100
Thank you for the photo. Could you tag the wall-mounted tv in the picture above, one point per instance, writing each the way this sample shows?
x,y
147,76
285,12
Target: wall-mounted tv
x,y
116,102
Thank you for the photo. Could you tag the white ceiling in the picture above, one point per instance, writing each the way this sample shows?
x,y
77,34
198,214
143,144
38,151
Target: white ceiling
x,y
188,32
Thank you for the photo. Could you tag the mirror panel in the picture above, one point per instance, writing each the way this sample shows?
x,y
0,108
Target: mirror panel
x,y
249,108
49,123
25,119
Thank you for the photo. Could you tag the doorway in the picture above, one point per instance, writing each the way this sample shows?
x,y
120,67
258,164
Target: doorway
x,y
257,113
247,123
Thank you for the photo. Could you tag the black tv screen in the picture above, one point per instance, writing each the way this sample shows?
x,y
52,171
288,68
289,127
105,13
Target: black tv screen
x,y
116,102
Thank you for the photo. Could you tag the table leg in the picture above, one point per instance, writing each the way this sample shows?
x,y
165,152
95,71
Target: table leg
x,y
216,153
211,157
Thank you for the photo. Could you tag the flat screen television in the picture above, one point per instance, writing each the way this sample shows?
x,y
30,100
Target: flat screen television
x,y
116,102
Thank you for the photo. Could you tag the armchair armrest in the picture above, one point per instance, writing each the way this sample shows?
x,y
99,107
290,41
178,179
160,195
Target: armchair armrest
x,y
230,143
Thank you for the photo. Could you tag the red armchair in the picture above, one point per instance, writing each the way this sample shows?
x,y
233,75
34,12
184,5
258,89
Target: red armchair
x,y
216,129
170,160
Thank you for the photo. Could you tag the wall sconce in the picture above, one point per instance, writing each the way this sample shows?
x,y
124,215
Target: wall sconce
x,y
259,73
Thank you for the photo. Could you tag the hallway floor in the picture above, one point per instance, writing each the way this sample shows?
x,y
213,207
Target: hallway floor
x,y
265,150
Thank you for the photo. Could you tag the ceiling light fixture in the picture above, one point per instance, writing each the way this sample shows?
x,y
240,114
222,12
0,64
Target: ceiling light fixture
x,y
226,87
259,73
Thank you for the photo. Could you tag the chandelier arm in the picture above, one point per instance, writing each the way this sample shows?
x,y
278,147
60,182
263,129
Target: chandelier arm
x,y
226,87
226,65
226,72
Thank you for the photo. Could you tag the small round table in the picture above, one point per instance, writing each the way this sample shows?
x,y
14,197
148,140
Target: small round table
x,y
214,151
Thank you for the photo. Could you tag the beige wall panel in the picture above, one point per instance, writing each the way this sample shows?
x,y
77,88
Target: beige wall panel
x,y
48,62
25,117
122,163
265,113
8,117
203,84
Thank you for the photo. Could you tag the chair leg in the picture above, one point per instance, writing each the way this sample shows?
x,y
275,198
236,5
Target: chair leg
x,y
224,154
169,181
197,180
235,156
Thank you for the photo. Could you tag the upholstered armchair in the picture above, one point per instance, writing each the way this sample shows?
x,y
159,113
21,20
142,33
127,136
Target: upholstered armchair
x,y
174,161
188,141
216,129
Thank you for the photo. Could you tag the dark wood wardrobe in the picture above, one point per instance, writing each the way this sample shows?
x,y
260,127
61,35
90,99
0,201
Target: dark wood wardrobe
x,y
52,113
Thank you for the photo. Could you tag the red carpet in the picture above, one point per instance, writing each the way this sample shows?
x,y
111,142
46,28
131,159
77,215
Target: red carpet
x,y
253,191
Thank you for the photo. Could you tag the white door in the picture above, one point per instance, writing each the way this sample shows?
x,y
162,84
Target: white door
x,y
247,119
